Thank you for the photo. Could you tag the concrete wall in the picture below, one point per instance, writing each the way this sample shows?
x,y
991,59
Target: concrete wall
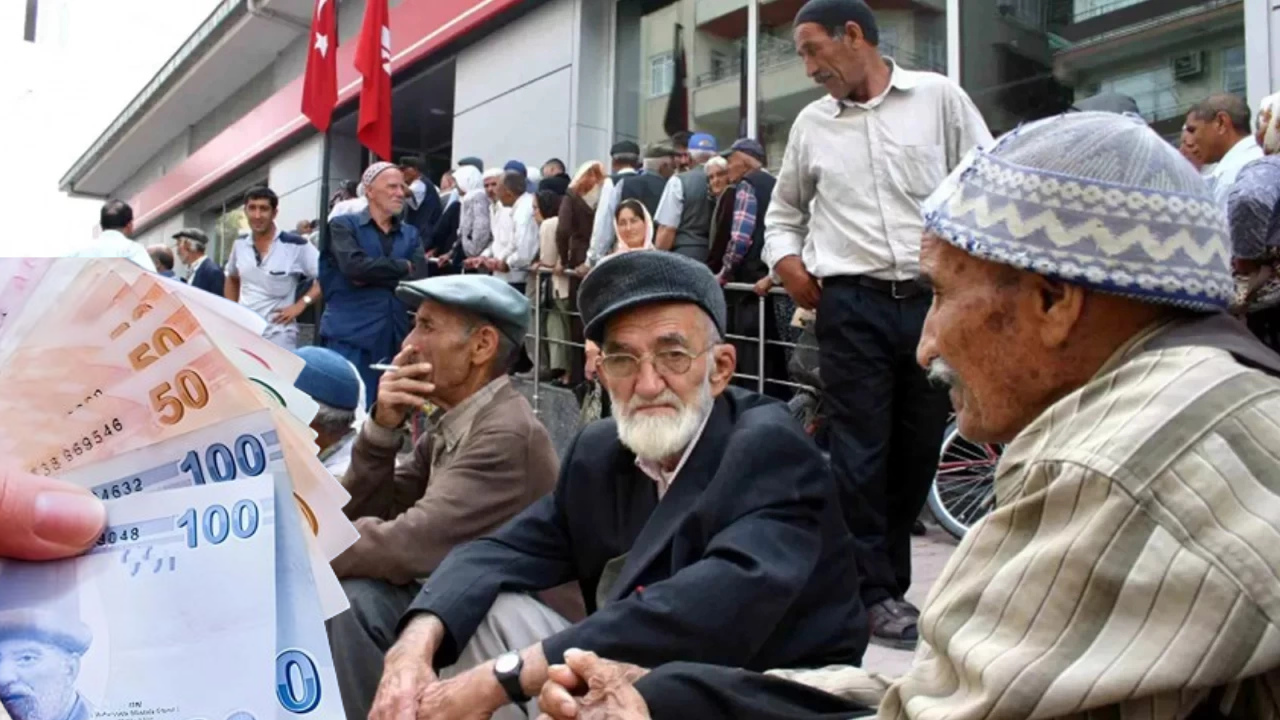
x,y
512,98
295,176
592,91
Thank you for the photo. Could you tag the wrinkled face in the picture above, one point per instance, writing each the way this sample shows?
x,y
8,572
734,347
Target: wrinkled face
x,y
832,62
452,344
718,176
387,191
37,680
491,188
976,341
739,166
260,214
668,377
631,228
1210,138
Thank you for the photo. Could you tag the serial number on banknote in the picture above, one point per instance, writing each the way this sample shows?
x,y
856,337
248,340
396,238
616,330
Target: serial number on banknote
x,y
69,453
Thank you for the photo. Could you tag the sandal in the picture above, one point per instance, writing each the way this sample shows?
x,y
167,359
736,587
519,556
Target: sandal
x,y
893,624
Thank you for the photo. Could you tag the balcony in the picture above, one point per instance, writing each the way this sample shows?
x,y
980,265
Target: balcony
x,y
728,18
1143,28
782,82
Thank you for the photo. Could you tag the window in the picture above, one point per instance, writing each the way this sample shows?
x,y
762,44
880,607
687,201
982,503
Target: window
x,y
1233,75
1154,90
662,74
1085,9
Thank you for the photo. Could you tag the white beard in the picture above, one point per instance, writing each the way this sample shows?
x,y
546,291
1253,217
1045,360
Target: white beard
x,y
658,437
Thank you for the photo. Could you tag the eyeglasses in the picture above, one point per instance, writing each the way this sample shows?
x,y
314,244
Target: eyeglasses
x,y
675,361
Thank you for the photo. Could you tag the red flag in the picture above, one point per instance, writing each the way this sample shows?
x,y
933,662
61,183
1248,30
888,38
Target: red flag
x,y
320,88
373,60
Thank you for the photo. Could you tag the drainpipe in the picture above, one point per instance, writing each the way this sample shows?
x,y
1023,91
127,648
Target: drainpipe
x,y
257,9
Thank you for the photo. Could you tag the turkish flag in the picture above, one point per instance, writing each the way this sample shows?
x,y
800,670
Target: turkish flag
x,y
320,87
373,60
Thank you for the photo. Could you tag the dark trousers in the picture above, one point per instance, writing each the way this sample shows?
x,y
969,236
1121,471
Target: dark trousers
x,y
886,423
361,636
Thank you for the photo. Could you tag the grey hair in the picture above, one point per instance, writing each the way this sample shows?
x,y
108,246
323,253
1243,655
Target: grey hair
x,y
504,358
655,165
713,332
702,156
332,420
628,159
718,161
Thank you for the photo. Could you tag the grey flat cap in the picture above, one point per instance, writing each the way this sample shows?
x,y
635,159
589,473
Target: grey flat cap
x,y
483,295
641,278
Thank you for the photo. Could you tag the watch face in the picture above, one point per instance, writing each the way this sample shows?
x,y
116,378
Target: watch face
x,y
506,662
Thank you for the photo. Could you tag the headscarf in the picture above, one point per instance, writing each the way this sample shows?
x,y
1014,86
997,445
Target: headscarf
x,y
619,246
1270,111
468,179
587,182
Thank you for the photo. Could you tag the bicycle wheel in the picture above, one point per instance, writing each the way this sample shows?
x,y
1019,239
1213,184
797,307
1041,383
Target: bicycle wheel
x,y
963,489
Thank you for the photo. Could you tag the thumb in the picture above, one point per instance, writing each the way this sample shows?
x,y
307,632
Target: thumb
x,y
45,519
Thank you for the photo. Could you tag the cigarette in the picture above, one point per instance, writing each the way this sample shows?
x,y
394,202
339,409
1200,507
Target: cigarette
x,y
382,368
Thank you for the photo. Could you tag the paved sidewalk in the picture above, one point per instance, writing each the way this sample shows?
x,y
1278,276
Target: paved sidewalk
x,y
929,555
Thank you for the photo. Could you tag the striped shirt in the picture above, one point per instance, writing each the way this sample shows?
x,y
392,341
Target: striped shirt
x,y
1131,568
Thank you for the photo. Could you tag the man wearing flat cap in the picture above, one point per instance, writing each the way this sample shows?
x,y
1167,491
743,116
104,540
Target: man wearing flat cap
x,y
842,234
699,522
41,642
1080,272
202,271
629,181
485,458
369,252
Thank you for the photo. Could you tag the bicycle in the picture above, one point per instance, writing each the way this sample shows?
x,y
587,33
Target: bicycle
x,y
963,489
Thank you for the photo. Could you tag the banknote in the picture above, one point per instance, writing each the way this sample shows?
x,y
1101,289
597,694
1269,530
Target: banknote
x,y
161,620
242,447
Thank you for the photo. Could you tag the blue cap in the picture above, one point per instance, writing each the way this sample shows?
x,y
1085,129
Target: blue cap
x,y
328,378
483,295
517,166
702,141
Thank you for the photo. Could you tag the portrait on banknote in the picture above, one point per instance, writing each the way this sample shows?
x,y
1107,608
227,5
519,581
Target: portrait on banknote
x,y
42,642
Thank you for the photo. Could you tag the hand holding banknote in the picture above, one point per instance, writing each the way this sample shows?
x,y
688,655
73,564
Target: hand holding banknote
x,y
45,519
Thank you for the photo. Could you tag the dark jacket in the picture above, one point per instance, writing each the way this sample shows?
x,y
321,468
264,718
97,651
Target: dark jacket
x,y
646,187
209,277
687,690
445,233
425,217
359,270
746,562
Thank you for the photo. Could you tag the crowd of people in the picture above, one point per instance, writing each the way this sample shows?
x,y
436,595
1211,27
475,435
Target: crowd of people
x,y
1077,289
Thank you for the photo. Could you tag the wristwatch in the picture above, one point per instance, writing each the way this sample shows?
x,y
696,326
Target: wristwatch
x,y
507,669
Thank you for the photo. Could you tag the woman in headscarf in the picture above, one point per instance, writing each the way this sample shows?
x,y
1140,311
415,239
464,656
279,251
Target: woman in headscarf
x,y
474,232
573,238
1255,230
633,227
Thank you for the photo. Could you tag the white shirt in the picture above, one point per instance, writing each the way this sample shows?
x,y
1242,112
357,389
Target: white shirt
x,y
1224,173
114,244
854,175
671,206
662,478
270,284
515,238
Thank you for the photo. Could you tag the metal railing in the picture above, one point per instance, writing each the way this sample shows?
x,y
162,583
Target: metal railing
x,y
762,343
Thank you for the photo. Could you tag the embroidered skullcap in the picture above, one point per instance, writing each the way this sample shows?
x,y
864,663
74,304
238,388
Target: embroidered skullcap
x,y
373,171
1094,199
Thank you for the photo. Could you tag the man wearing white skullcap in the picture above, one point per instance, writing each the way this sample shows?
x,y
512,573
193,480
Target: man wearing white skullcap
x,y
1128,566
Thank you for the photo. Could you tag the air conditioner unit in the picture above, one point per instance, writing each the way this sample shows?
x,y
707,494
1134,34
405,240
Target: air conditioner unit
x,y
1188,65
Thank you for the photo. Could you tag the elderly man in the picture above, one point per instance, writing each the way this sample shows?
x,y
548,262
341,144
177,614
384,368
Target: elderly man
x,y
485,458
202,271
1219,130
684,213
421,198
843,234
515,233
162,258
41,642
1129,567
700,524
368,254
335,385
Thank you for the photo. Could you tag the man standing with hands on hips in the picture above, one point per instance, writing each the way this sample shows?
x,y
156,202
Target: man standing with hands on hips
x,y
843,234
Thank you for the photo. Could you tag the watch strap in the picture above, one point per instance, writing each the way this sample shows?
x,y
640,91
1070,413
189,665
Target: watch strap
x,y
510,682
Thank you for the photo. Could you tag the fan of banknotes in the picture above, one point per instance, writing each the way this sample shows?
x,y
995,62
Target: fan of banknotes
x,y
206,596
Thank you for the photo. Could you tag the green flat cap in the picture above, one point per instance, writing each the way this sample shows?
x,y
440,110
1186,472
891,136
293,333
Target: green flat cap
x,y
483,295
